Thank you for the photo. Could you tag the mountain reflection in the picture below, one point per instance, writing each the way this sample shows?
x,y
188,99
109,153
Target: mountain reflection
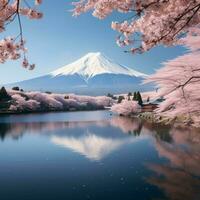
x,y
92,146
178,175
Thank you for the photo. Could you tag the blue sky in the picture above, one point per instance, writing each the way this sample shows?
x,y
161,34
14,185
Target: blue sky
x,y
59,39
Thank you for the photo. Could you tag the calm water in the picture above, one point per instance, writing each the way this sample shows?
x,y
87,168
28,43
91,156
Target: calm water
x,y
93,155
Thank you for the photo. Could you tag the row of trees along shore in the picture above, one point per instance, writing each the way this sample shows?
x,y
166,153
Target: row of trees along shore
x,y
149,23
136,96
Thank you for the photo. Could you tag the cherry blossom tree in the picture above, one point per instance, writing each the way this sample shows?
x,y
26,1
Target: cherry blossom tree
x,y
38,101
149,23
179,83
14,47
126,108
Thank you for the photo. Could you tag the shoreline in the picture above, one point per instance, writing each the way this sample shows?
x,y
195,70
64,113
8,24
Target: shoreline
x,y
45,111
160,120
149,117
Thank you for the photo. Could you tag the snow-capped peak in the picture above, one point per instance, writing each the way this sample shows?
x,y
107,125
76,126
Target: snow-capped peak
x,y
93,64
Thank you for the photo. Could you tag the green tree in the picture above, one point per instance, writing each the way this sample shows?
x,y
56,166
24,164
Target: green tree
x,y
134,96
120,98
4,95
16,88
112,96
66,97
109,95
139,98
129,96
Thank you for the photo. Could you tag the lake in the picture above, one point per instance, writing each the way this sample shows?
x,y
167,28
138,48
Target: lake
x,y
95,155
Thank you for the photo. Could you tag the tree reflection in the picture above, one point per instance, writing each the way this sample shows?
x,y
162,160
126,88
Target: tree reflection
x,y
178,148
4,129
132,126
16,130
179,178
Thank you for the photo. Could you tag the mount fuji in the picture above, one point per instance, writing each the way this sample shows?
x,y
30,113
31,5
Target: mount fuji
x,y
93,74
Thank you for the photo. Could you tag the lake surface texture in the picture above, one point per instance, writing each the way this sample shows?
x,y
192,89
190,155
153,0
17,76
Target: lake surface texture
x,y
97,156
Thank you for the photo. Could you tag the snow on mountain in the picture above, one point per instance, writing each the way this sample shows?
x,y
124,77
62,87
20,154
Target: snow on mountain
x,y
92,146
93,74
94,64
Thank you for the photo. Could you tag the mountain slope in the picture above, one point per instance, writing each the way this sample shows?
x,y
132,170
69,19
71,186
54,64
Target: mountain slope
x,y
93,74
94,64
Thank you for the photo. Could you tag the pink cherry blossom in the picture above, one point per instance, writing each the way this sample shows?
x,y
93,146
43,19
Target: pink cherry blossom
x,y
149,22
34,101
13,47
179,83
126,108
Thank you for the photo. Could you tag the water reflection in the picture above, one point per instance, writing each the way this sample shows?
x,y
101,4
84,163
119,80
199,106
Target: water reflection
x,y
92,146
176,172
16,130
180,177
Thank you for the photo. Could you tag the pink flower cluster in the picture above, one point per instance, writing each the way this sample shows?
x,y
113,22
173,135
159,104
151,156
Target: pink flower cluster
x,y
149,22
34,101
126,108
13,47
179,83
102,8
